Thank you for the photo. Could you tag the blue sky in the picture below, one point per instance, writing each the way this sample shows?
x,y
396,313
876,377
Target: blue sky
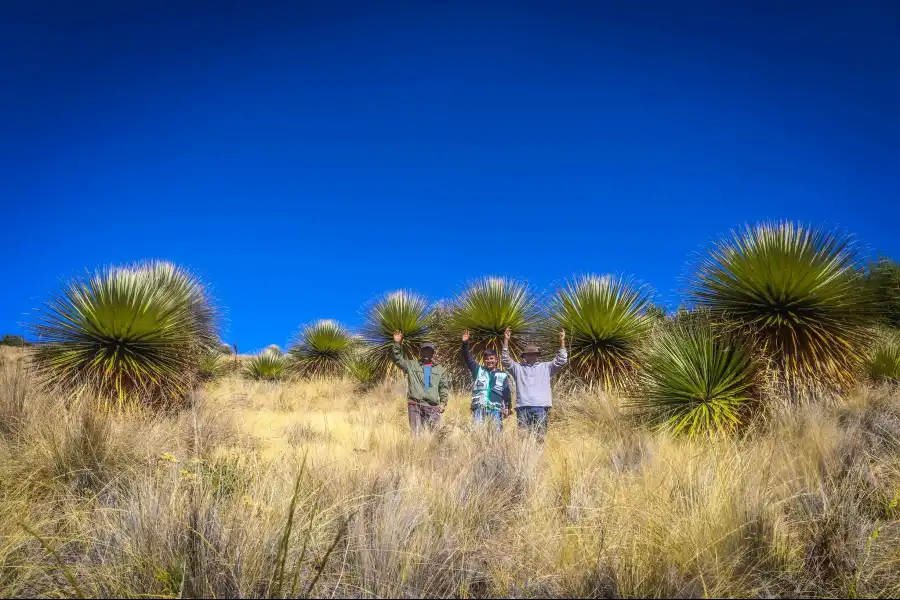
x,y
305,157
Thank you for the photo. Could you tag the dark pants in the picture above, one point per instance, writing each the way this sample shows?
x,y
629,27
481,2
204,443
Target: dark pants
x,y
533,419
423,417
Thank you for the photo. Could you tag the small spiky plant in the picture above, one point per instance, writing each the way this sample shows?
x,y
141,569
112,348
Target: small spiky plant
x,y
403,311
225,349
883,283
363,370
266,366
606,321
274,349
884,362
486,308
323,349
135,332
213,365
798,292
696,380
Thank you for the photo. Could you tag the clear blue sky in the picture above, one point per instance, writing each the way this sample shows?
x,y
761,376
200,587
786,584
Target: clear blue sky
x,y
304,157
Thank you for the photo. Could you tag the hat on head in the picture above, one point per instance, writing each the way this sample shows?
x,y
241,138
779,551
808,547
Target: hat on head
x,y
531,349
426,345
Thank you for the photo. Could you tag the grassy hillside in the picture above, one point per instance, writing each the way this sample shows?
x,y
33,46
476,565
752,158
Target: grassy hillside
x,y
196,502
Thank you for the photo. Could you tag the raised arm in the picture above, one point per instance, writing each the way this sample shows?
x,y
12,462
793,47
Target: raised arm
x,y
508,363
397,353
562,357
467,354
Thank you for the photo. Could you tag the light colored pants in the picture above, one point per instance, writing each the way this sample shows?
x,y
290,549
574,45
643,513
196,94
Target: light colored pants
x,y
423,417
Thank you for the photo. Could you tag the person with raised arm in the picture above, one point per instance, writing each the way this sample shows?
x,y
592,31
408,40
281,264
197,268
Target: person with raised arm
x,y
428,386
491,398
534,398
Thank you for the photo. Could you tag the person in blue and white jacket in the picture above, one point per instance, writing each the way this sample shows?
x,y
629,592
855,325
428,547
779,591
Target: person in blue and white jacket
x,y
491,397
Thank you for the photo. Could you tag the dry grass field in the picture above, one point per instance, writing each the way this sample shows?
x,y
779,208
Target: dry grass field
x,y
312,488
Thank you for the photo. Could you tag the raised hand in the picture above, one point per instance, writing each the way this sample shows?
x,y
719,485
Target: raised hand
x,y
562,338
398,336
465,335
506,335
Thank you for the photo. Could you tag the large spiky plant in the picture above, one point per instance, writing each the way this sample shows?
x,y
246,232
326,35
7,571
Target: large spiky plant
x,y
797,291
606,320
266,366
696,380
486,308
323,349
404,311
134,332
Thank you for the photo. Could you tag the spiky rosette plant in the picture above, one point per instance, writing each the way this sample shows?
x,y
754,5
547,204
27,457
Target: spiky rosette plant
x,y
213,364
403,311
797,291
696,380
883,364
606,322
323,349
266,366
273,349
363,370
225,349
135,332
486,308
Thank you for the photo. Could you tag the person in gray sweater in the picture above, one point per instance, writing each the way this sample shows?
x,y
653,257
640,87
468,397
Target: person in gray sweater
x,y
534,398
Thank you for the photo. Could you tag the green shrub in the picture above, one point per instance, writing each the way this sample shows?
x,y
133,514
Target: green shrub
x,y
884,362
696,380
606,322
127,332
363,371
16,341
402,311
797,292
486,308
323,348
883,282
266,366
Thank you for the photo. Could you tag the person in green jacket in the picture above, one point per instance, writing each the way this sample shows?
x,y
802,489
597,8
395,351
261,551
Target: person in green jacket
x,y
428,386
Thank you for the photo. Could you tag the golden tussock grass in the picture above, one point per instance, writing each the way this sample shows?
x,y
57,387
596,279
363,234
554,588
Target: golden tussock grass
x,y
100,502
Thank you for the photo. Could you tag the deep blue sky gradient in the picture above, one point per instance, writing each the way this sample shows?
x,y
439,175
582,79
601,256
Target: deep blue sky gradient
x,y
305,157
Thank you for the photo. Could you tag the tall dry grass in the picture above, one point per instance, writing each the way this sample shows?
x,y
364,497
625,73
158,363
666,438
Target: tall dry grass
x,y
97,502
